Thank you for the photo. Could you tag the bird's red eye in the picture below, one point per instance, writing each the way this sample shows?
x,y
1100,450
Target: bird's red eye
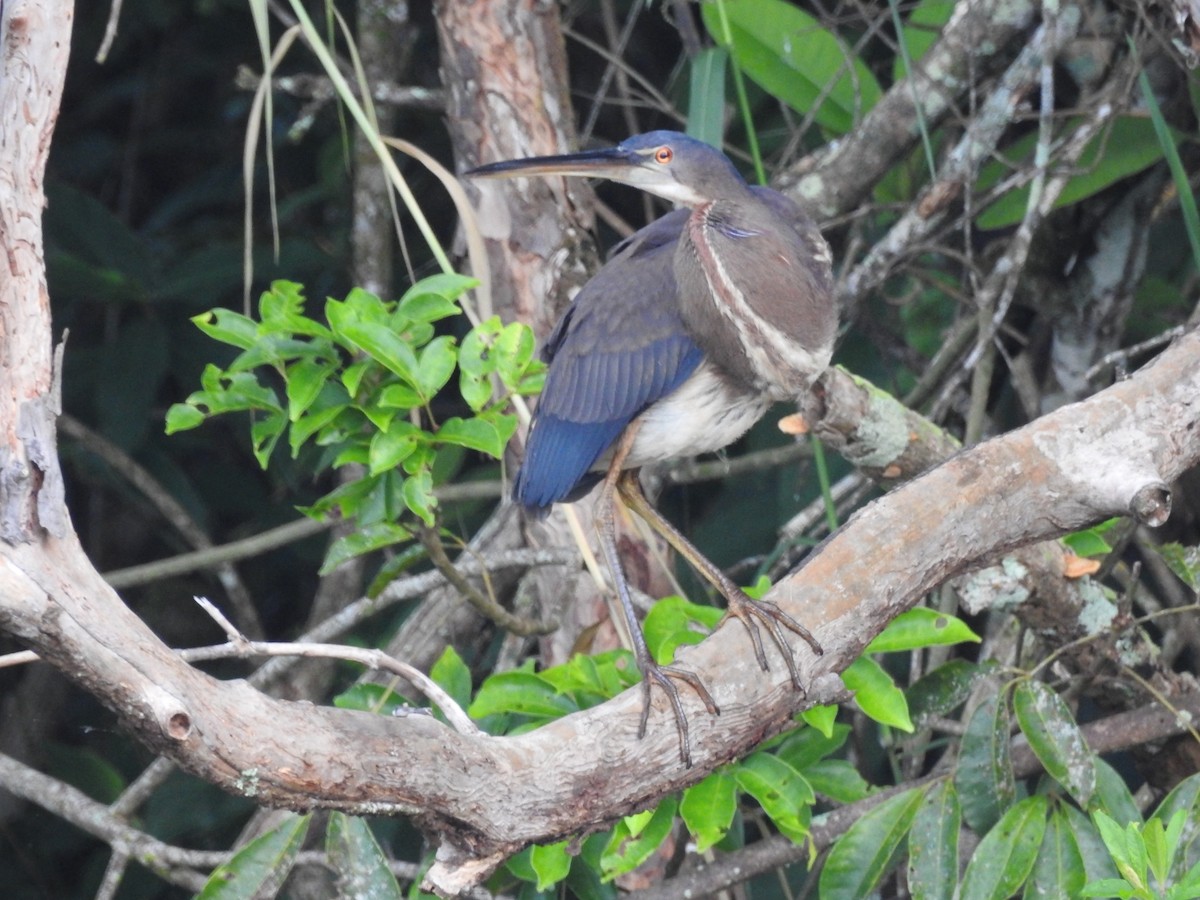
x,y
663,155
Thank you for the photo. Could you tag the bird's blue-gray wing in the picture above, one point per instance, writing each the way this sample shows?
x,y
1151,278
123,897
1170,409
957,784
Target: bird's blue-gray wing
x,y
619,348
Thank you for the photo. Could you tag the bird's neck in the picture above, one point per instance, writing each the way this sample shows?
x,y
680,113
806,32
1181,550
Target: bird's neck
x,y
755,302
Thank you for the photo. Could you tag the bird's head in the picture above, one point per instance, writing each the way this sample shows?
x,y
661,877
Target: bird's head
x,y
666,163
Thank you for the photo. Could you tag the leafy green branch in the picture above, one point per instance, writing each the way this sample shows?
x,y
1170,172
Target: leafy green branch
x,y
360,388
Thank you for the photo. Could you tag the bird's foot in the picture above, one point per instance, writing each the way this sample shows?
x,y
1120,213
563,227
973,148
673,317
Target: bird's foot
x,y
754,613
652,674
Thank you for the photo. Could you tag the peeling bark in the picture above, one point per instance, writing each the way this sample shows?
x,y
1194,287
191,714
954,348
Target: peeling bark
x,y
34,44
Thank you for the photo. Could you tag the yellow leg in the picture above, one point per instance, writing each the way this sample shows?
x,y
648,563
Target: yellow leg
x,y
750,612
652,672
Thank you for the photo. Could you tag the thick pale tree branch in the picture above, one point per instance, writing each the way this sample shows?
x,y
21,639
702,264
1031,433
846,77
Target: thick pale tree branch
x,y
35,38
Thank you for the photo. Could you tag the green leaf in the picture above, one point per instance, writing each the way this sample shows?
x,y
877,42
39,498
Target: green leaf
x,y
436,365
1097,861
366,696
1183,561
783,793
523,693
265,432
260,866
821,718
806,747
415,304
475,389
585,881
1188,885
418,494
787,53
475,434
550,863
1112,794
933,844
1089,542
1124,845
426,307
1138,870
706,95
513,351
183,416
1005,856
921,627
361,866
232,393
943,690
708,808
521,866
876,693
1058,870
1183,800
838,780
869,848
305,379
1154,836
281,309
593,679
673,621
228,327
1055,739
394,567
630,847
86,769
365,539
1115,839
474,353
451,674
390,448
1171,837
374,339
353,374
983,774
1126,149
1108,887
318,422
400,396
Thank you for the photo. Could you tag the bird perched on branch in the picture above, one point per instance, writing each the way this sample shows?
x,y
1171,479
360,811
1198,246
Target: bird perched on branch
x,y
678,345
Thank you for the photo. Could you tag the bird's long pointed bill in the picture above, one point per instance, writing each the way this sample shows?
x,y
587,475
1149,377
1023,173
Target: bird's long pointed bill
x,y
608,163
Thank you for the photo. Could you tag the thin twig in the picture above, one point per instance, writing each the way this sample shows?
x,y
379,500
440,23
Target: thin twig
x,y
19,658
487,606
110,31
241,647
113,873
174,864
257,544
320,88
1123,355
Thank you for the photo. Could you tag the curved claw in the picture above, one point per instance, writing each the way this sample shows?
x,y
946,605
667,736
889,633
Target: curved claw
x,y
775,620
652,672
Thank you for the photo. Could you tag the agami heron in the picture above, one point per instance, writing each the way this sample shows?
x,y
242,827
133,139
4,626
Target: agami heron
x,y
679,344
